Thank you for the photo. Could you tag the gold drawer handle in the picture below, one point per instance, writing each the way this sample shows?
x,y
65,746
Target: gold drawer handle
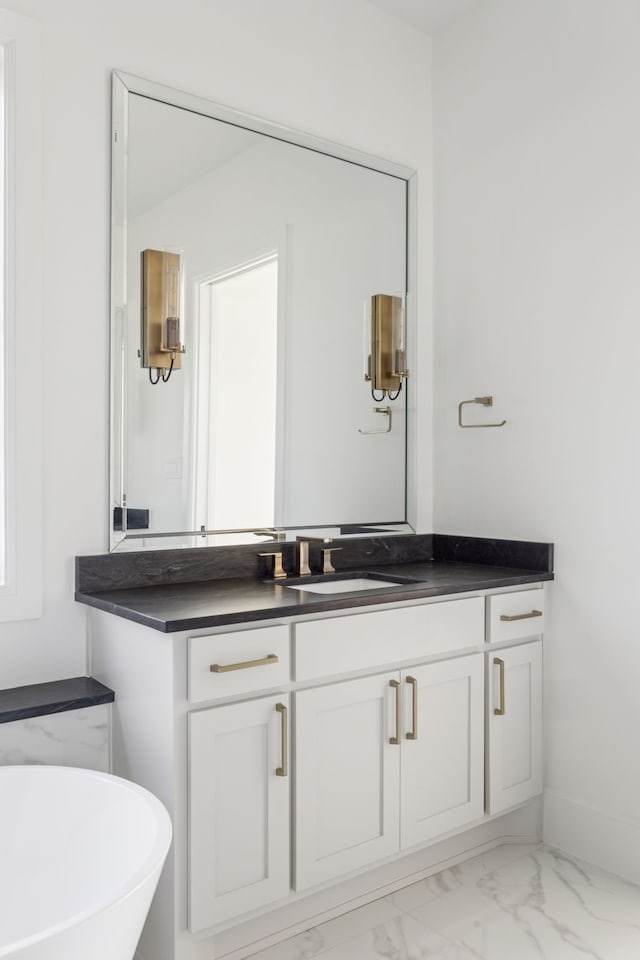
x,y
245,665
499,711
283,771
396,686
521,616
413,734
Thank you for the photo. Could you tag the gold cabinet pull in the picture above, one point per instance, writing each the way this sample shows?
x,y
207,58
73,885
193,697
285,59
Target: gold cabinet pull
x,y
413,734
521,616
497,662
396,685
245,665
283,771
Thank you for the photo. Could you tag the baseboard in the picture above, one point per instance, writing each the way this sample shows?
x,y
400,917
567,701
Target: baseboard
x,y
593,835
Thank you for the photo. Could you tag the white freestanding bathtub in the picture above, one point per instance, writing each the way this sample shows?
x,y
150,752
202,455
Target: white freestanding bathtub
x,y
80,857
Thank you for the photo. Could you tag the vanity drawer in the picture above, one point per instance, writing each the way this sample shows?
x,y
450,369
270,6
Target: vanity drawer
x,y
243,661
513,616
369,640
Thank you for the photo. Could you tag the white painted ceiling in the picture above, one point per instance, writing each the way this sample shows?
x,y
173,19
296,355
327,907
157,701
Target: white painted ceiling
x,y
427,15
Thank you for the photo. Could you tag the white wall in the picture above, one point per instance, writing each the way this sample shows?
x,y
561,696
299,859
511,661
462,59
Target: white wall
x,y
538,302
339,69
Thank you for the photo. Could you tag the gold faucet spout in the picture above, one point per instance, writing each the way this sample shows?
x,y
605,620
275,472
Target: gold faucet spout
x,y
304,570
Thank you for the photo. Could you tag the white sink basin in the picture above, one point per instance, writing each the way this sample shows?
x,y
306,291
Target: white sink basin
x,y
80,854
344,586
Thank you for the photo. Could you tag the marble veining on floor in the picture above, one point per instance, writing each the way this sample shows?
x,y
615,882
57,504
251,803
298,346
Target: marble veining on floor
x,y
516,902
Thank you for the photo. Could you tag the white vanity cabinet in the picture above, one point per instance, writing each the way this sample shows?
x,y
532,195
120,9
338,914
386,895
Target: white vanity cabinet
x,y
514,728
238,809
514,698
385,763
346,779
312,762
367,784
442,781
238,773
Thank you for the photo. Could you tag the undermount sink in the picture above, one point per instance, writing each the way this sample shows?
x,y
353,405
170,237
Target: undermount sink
x,y
350,584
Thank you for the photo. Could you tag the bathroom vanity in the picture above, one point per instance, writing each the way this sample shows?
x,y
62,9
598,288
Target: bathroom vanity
x,y
318,744
318,750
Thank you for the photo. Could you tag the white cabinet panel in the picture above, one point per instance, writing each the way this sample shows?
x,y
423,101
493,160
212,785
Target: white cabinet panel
x,y
367,640
514,767
244,661
515,616
362,796
239,810
442,748
347,778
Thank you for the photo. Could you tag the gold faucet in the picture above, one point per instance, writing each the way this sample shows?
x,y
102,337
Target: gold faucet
x,y
304,570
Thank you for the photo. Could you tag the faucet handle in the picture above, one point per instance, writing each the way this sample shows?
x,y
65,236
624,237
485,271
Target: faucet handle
x,y
279,573
327,566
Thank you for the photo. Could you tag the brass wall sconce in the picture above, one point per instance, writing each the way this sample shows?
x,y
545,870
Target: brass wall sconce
x,y
160,298
386,361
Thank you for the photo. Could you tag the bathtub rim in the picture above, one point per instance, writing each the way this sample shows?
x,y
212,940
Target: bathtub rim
x,y
152,863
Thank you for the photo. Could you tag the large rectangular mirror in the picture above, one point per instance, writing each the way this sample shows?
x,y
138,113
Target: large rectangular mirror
x,y
252,412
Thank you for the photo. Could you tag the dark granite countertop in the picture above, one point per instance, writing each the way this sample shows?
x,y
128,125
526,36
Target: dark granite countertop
x,y
175,606
56,696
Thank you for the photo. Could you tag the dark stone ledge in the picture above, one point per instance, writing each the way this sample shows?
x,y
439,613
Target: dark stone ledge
x,y
57,696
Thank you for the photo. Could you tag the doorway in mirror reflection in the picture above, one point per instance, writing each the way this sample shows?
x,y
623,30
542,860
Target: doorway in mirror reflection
x,y
237,398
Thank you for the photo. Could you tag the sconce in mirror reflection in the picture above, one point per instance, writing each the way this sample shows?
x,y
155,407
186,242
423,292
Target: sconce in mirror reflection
x,y
385,346
161,309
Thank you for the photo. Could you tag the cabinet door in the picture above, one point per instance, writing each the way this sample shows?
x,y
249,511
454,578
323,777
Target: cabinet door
x,y
238,809
514,762
347,777
442,748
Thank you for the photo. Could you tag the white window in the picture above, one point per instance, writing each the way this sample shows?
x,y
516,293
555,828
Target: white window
x,y
20,316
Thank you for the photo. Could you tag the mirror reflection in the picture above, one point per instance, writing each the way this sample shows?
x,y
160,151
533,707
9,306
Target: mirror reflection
x,y
246,405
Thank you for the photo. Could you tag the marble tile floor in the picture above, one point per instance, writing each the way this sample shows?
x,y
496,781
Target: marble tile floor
x,y
516,902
